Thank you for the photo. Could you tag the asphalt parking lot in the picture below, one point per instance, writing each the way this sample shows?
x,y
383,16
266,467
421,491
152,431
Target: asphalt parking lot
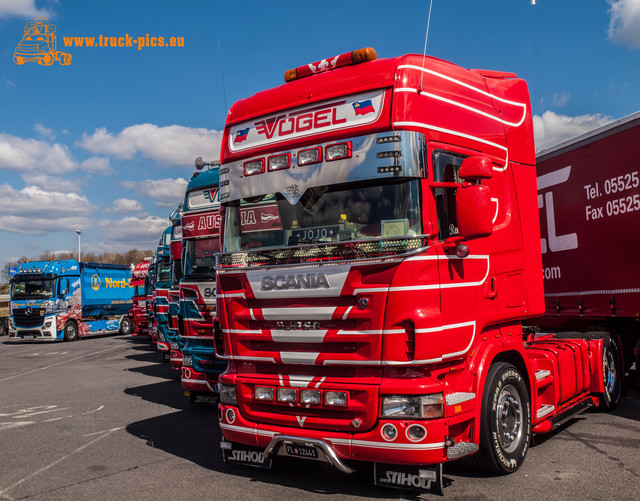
x,y
105,419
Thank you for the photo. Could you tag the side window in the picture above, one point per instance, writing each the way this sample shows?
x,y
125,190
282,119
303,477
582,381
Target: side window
x,y
446,167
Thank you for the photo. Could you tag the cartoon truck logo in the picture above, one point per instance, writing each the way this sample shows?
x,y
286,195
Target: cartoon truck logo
x,y
39,43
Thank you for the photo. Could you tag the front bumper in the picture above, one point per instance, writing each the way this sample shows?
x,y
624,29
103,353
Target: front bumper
x,y
368,446
45,332
198,382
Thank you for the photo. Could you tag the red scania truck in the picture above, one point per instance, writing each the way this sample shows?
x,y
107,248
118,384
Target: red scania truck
x,y
381,252
589,200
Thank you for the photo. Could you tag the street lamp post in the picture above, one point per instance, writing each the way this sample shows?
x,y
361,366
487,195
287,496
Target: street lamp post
x,y
79,247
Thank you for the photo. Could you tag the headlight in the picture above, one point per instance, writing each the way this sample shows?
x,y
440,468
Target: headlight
x,y
263,392
187,361
161,337
417,407
335,398
48,324
174,346
227,394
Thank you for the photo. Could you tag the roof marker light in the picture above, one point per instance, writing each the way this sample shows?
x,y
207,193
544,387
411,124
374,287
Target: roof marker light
x,y
279,162
253,167
346,59
310,156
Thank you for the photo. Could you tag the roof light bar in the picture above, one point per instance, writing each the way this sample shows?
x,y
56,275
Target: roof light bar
x,y
346,59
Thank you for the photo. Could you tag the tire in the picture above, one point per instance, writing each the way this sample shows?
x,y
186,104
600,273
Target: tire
x,y
18,59
3,327
612,374
125,326
505,422
70,331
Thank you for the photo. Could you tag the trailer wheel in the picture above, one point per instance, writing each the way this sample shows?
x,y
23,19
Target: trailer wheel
x,y
125,326
505,423
612,374
70,331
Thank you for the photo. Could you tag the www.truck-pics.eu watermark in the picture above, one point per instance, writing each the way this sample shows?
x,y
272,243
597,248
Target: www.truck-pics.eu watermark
x,y
39,43
124,41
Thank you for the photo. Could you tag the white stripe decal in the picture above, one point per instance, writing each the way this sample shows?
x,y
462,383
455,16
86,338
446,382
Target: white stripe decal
x,y
459,134
471,87
341,441
315,313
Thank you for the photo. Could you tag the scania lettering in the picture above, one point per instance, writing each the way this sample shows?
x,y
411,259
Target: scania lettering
x,y
308,281
65,300
408,236
197,306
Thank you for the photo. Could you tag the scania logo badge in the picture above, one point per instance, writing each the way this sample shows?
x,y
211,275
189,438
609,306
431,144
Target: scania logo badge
x,y
363,302
28,311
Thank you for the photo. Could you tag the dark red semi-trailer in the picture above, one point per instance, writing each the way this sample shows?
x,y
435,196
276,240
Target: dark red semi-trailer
x,y
589,200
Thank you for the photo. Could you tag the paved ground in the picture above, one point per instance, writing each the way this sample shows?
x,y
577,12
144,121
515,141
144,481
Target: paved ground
x,y
105,419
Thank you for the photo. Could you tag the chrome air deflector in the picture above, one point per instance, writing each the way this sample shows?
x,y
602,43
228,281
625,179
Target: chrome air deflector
x,y
376,156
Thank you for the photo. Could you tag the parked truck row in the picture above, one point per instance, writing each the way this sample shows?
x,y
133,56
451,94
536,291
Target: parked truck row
x,y
380,270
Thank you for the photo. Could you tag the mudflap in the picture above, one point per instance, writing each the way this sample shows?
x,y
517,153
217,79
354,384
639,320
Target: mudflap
x,y
245,455
204,398
409,477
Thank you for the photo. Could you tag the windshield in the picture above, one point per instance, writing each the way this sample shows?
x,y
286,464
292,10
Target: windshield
x,y
163,271
176,272
200,257
324,214
140,290
33,288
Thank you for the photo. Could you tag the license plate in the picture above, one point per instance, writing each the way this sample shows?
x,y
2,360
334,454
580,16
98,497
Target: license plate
x,y
408,477
301,451
166,356
28,337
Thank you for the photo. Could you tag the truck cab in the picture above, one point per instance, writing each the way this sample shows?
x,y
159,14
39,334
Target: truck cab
x,y
381,249
67,299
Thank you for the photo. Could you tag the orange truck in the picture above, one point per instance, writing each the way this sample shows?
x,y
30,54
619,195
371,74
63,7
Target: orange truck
x,y
39,43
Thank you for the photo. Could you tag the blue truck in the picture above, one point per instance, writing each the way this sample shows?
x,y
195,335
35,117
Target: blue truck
x,y
66,299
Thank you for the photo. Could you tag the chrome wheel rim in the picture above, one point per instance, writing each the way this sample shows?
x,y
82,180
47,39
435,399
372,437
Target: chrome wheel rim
x,y
509,418
610,373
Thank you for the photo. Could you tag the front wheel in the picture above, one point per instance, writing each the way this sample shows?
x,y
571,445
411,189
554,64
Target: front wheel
x,y
505,423
125,326
70,331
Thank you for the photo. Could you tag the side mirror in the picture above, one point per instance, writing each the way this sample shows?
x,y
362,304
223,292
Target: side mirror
x,y
63,287
475,168
474,208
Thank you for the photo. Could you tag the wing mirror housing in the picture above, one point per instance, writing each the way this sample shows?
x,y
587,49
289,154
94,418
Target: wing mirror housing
x,y
473,201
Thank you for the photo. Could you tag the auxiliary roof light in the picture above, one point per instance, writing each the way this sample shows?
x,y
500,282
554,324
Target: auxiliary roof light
x,y
346,59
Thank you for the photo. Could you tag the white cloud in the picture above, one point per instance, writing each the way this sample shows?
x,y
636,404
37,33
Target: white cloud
x,y
552,128
53,183
170,145
21,8
44,131
97,165
127,206
624,22
560,99
31,154
166,192
132,232
33,211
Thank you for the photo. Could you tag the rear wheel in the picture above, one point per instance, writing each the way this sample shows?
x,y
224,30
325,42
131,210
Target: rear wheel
x,y
612,373
70,331
505,423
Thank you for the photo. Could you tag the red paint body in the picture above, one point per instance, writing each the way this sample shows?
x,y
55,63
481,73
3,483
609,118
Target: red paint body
x,y
363,318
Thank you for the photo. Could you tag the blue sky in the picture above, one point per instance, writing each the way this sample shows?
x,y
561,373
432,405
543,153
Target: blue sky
x,y
107,143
